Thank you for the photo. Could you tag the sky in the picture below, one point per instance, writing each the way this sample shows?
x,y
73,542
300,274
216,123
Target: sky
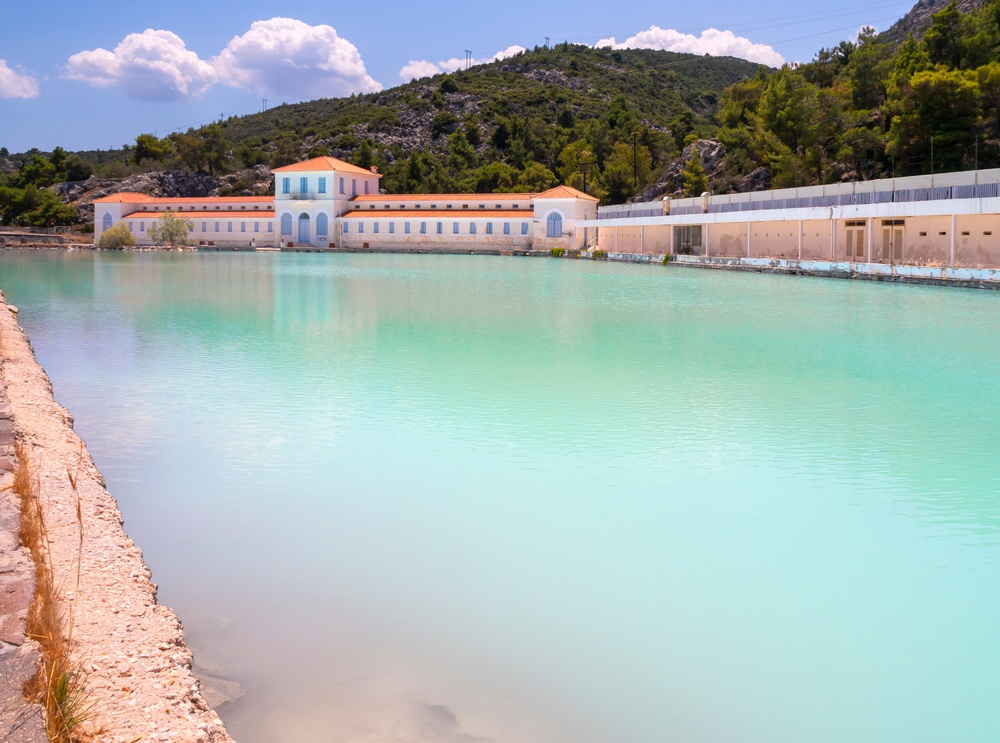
x,y
89,76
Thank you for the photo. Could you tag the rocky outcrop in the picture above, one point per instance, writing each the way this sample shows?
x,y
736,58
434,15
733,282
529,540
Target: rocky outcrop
x,y
918,19
164,183
21,721
713,158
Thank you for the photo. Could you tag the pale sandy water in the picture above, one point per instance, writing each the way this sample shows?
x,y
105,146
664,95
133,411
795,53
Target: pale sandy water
x,y
408,498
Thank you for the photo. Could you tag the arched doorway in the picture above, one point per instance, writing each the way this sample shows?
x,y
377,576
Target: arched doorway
x,y
106,223
553,225
303,228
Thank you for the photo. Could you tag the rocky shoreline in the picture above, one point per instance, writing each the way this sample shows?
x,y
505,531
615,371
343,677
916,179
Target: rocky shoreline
x,y
129,648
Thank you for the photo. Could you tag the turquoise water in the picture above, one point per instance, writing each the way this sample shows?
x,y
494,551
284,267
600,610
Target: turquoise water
x,y
439,498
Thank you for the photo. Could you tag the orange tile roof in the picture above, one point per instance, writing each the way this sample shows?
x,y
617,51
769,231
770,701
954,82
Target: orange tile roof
x,y
261,214
130,197
421,197
439,215
565,192
124,197
325,163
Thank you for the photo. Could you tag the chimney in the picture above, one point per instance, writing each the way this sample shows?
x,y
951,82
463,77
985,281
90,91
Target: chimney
x,y
375,169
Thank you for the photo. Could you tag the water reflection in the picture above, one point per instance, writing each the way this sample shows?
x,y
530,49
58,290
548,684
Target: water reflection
x,y
403,497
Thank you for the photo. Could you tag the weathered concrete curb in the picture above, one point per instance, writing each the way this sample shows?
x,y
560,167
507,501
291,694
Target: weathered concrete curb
x,y
131,649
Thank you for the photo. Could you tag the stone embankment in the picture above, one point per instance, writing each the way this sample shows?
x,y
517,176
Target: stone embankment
x,y
20,720
130,649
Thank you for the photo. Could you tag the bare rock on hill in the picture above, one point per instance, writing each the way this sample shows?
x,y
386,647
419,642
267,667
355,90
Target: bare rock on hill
x,y
712,153
918,19
164,183
756,180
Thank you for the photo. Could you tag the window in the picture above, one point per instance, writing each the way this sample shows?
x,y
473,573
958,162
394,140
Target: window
x,y
354,186
107,222
375,228
243,226
361,227
270,227
142,226
366,187
472,228
440,227
454,228
406,227
321,187
286,186
204,226
286,224
342,185
216,226
303,186
506,228
553,225
423,228
347,228
392,228
524,228
322,224
489,228
229,227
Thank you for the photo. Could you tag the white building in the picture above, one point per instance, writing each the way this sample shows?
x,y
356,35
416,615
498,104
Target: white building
x,y
948,219
328,203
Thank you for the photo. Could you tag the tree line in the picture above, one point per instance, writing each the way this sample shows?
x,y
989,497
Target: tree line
x,y
873,108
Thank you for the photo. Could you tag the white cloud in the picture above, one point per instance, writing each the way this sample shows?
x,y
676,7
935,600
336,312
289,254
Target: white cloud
x,y
282,57
15,84
417,68
712,41
286,57
151,66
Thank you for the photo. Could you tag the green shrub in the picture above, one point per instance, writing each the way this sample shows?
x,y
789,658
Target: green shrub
x,y
170,230
666,259
557,252
599,255
117,237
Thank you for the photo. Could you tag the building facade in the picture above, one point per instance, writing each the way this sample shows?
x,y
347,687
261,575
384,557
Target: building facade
x,y
328,203
949,219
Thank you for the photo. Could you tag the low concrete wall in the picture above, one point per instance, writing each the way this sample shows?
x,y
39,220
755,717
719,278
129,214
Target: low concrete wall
x,y
979,278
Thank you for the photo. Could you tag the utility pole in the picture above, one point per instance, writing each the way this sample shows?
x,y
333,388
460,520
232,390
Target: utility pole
x,y
264,106
546,42
468,58
932,155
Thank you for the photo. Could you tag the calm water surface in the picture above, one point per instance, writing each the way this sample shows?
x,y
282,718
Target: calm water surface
x,y
413,498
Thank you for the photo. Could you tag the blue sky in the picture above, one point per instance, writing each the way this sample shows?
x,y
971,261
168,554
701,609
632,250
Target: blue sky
x,y
83,78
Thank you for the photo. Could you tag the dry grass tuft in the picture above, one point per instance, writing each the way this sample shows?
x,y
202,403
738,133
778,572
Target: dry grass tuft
x,y
58,686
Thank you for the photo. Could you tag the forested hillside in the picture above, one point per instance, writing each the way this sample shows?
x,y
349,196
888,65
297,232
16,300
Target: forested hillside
x,y
622,124
874,108
543,117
